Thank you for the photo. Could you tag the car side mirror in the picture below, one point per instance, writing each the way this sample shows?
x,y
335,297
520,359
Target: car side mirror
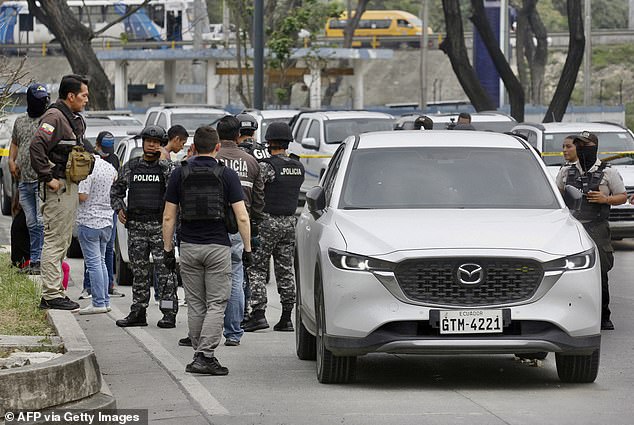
x,y
310,143
316,201
572,197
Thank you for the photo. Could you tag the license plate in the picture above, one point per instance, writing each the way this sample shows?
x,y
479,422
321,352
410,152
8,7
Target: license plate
x,y
471,321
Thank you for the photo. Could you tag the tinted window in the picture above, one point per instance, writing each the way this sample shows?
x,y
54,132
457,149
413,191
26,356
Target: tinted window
x,y
438,177
610,144
299,134
151,118
313,131
338,130
192,121
162,121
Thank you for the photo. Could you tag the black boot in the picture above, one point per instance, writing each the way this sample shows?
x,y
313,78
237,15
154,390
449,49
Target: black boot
x,y
256,322
135,318
168,321
285,324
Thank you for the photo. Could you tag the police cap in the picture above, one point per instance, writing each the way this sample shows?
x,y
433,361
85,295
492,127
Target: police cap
x,y
247,122
278,132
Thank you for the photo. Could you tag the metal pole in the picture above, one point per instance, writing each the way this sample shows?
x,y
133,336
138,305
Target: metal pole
x,y
587,57
423,56
258,55
504,43
198,76
225,23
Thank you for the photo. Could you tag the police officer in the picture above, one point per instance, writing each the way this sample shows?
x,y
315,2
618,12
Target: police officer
x,y
283,177
206,192
145,180
423,122
602,187
247,140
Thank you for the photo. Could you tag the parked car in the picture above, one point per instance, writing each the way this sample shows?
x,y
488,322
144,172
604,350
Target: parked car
x,y
120,123
317,135
616,144
8,186
444,243
189,116
265,117
488,121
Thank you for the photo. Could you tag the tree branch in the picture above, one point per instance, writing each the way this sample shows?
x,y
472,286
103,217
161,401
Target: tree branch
x,y
132,11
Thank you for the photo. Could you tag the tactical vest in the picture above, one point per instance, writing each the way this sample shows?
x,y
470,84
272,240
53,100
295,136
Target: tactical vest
x,y
589,211
202,192
61,151
256,150
281,195
146,193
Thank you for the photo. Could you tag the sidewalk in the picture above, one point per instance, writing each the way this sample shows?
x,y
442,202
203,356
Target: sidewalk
x,y
136,376
145,368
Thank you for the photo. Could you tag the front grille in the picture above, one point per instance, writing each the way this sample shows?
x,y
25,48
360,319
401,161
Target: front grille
x,y
621,214
435,281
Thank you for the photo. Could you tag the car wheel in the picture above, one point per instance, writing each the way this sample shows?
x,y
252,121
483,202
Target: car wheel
x,y
578,368
305,344
5,200
74,250
331,369
124,274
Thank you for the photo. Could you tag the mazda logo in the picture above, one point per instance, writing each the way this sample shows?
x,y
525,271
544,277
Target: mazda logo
x,y
470,274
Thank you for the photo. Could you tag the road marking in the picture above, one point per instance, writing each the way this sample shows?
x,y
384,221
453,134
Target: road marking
x,y
189,383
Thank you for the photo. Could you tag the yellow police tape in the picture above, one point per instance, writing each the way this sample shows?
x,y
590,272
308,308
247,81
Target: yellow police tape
x,y
617,154
4,152
314,156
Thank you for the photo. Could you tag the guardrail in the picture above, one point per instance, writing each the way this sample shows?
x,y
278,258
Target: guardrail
x,y
559,39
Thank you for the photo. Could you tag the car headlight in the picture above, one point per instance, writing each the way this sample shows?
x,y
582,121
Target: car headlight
x,y
581,261
347,261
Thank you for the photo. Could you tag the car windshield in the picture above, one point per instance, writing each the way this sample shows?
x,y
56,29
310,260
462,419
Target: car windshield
x,y
446,177
114,122
192,121
617,147
338,130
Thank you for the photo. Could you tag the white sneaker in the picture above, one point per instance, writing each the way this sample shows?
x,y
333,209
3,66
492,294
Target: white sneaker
x,y
93,310
108,308
85,295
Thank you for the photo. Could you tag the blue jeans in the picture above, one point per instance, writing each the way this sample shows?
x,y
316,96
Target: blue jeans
x,y
234,312
109,260
29,200
93,244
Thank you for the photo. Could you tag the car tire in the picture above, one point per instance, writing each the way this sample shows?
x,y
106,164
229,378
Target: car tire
x,y
5,200
331,369
74,250
305,344
124,274
578,368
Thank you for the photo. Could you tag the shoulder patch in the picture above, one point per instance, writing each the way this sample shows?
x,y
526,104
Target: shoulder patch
x,y
47,128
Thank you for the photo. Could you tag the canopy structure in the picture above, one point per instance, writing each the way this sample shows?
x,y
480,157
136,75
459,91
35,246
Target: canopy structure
x,y
315,58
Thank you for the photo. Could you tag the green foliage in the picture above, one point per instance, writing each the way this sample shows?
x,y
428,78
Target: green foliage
x,y
311,16
19,300
554,19
606,14
603,56
629,115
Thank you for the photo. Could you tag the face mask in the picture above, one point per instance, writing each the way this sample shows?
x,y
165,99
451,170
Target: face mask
x,y
151,156
36,107
587,156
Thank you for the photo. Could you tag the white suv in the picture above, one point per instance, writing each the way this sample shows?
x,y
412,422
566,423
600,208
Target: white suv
x,y
318,134
444,243
189,116
615,143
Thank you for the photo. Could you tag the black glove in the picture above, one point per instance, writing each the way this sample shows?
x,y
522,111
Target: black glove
x,y
169,259
247,259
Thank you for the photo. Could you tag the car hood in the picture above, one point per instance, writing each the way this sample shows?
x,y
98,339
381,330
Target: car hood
x,y
380,232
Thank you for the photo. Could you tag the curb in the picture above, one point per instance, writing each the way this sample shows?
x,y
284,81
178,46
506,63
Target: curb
x,y
70,381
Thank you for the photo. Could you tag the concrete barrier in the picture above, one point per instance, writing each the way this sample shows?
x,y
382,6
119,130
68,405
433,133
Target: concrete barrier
x,y
72,380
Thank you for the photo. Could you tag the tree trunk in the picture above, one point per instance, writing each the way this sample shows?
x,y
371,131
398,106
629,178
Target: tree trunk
x,y
576,45
538,64
348,34
75,41
523,45
512,84
454,47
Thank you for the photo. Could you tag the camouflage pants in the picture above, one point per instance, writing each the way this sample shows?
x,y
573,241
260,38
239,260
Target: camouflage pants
x,y
277,236
145,238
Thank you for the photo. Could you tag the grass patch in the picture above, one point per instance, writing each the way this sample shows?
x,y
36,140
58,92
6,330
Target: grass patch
x,y
603,56
19,300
